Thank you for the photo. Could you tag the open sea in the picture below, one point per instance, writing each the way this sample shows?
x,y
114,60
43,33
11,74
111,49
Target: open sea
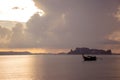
x,y
59,67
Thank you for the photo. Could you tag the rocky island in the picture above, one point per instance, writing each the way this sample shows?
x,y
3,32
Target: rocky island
x,y
90,51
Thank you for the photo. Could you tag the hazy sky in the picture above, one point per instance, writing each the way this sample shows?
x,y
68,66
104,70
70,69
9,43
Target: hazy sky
x,y
58,25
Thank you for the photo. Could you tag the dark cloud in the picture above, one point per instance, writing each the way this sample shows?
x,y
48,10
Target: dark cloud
x,y
111,42
73,23
47,32
20,38
5,36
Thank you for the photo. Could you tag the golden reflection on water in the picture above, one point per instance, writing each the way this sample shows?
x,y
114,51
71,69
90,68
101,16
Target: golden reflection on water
x,y
53,67
16,68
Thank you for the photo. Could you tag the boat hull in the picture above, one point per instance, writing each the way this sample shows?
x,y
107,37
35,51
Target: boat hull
x,y
89,58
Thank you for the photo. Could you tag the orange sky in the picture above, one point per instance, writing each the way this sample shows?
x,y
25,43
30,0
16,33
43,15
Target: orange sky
x,y
37,50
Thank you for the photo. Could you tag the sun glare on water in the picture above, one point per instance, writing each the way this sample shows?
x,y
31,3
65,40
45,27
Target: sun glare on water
x,y
18,10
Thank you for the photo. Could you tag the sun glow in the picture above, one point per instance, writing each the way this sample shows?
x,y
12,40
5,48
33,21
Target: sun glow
x,y
34,50
18,10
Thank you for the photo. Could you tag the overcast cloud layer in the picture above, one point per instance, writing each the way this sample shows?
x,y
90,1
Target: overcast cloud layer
x,y
68,24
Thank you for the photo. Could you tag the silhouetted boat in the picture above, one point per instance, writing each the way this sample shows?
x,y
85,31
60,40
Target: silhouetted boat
x,y
89,58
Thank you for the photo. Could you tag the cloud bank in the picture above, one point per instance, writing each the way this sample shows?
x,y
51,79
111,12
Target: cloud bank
x,y
67,24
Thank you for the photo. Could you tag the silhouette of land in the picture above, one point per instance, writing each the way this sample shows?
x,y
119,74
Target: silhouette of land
x,y
23,53
15,53
90,51
77,51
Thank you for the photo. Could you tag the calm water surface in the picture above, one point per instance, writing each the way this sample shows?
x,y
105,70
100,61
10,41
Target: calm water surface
x,y
58,67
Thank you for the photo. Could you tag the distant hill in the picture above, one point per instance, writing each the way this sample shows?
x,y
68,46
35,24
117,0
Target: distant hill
x,y
15,53
90,51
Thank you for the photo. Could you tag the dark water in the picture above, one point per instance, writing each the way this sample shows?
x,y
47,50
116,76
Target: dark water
x,y
58,67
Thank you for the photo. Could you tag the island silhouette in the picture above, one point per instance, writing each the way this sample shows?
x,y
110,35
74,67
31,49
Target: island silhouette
x,y
85,50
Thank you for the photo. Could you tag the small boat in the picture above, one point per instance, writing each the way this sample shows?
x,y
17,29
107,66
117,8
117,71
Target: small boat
x,y
89,58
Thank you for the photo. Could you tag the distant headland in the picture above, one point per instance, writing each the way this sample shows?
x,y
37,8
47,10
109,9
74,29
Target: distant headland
x,y
85,50
14,53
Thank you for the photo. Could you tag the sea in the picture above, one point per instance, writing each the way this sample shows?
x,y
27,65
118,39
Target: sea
x,y
59,67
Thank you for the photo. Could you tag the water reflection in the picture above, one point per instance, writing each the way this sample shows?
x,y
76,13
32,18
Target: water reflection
x,y
16,68
58,67
46,67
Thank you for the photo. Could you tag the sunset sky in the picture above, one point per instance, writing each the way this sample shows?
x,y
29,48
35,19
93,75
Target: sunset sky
x,y
59,25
